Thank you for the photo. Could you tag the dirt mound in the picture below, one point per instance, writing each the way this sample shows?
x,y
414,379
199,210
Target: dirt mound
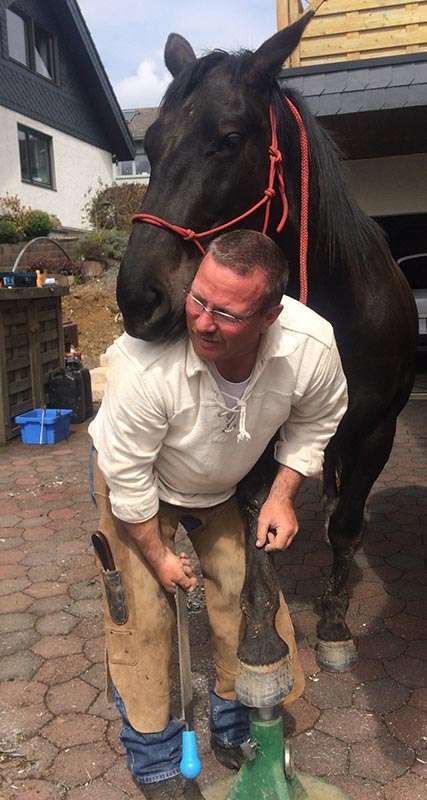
x,y
93,307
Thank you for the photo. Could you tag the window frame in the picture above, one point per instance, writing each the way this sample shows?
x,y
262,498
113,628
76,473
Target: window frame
x,y
38,135
30,31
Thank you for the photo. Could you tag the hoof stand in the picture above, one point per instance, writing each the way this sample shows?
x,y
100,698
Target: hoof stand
x,y
336,656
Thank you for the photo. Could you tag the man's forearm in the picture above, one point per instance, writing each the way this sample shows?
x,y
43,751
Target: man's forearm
x,y
147,536
286,484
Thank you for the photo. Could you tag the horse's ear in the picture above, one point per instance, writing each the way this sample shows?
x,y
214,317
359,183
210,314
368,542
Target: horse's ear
x,y
178,54
270,57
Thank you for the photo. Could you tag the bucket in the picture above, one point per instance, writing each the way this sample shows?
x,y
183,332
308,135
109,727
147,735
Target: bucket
x,y
45,425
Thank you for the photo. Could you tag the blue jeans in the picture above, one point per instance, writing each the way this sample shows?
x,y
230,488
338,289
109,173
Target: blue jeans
x,y
154,757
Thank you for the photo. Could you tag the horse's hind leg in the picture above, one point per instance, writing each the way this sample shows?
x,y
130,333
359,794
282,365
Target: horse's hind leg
x,y
359,466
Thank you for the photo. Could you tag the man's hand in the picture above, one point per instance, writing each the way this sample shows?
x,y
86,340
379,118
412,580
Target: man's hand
x,y
277,525
173,571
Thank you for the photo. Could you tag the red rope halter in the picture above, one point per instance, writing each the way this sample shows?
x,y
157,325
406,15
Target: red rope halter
x,y
275,174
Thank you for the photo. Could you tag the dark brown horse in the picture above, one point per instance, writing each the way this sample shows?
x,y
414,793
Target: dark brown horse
x,y
209,163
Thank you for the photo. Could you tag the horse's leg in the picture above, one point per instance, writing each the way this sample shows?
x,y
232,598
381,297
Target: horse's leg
x,y
264,678
359,469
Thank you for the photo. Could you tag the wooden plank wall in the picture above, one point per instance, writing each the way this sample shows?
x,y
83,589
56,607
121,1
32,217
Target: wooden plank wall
x,y
348,30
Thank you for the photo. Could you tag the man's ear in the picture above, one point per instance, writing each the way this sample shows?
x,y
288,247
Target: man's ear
x,y
178,54
267,61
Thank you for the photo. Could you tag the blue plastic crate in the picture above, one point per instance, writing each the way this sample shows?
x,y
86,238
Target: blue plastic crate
x,y
54,421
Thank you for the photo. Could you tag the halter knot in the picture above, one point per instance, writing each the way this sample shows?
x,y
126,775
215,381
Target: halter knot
x,y
189,235
275,153
270,192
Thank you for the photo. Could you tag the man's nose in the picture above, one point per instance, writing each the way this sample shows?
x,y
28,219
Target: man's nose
x,y
205,322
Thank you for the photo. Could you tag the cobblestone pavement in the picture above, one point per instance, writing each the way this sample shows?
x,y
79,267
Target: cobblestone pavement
x,y
364,730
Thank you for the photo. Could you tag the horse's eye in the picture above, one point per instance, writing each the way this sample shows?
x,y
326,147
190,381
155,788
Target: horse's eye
x,y
231,141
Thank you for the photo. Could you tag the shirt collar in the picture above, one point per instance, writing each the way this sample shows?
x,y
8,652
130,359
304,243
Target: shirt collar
x,y
278,342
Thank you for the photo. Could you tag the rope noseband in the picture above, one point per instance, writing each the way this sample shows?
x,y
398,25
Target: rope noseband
x,y
275,174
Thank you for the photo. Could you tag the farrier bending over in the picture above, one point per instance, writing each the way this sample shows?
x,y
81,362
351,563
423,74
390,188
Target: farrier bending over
x,y
180,425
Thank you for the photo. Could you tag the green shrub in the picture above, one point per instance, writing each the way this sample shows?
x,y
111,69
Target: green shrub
x,y
113,206
102,245
37,223
9,231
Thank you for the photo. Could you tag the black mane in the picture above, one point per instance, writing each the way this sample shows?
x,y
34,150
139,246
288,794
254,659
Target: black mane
x,y
192,76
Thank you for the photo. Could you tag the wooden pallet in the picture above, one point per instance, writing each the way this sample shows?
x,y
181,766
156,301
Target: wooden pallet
x,y
31,346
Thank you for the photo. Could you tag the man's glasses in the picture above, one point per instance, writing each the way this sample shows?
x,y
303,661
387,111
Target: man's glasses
x,y
218,316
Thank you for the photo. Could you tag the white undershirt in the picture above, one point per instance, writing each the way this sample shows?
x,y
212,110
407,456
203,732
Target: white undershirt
x,y
230,390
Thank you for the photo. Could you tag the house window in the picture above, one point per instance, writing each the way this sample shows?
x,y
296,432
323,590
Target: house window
x,y
30,45
43,53
17,37
35,151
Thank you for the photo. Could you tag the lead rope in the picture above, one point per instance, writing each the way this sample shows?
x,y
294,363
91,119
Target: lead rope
x,y
275,172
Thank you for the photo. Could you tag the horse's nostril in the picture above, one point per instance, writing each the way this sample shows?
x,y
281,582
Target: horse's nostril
x,y
153,297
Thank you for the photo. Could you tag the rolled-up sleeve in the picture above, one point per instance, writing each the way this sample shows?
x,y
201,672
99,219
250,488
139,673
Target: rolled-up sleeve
x,y
128,433
314,417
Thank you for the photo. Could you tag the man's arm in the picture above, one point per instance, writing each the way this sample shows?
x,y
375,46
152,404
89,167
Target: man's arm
x,y
277,523
170,569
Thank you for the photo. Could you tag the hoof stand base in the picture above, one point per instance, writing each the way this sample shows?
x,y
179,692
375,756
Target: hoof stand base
x,y
310,788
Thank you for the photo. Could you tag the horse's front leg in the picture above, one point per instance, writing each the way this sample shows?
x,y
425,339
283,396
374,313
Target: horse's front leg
x,y
265,678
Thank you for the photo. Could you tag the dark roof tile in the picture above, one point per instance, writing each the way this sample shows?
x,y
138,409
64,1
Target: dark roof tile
x,y
420,73
336,82
329,104
358,79
380,77
417,95
313,85
402,75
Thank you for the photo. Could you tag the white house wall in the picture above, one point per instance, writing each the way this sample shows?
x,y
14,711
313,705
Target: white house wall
x,y
388,186
77,167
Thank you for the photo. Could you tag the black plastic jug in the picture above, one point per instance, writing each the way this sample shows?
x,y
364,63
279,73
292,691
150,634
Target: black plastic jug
x,y
71,388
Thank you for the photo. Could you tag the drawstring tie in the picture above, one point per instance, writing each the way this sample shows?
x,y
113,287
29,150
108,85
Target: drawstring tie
x,y
240,406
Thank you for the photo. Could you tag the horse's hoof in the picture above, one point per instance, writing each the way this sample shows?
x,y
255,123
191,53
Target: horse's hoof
x,y
264,686
336,656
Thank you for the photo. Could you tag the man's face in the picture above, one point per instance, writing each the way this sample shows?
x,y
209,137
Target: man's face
x,y
218,287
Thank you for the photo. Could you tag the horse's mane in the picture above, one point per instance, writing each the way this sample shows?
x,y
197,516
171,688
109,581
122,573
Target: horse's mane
x,y
339,229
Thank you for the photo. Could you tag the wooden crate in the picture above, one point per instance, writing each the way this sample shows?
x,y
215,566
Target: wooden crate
x,y
31,346
350,30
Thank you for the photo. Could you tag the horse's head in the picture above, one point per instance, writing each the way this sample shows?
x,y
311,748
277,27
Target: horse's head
x,y
209,160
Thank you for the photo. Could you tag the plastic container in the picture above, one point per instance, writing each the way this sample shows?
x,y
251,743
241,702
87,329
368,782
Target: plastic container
x,y
71,387
45,426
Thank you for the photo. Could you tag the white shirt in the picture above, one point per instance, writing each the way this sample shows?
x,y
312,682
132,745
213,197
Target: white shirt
x,y
164,431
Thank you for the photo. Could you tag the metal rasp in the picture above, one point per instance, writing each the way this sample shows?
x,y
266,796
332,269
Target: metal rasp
x,y
190,764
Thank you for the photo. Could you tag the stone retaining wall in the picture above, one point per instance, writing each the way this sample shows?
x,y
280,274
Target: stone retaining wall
x,y
38,251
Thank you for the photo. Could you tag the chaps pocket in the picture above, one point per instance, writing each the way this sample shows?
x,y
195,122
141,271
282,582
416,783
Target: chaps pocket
x,y
116,597
121,647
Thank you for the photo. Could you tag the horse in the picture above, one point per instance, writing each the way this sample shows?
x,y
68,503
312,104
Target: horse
x,y
215,151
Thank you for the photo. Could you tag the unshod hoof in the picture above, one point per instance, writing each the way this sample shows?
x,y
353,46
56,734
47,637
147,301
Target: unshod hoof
x,y
336,656
264,686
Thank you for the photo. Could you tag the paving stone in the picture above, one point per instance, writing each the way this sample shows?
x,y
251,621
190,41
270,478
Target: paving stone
x,y
407,627
409,671
49,572
357,788
319,754
36,756
418,608
367,670
325,690
54,646
35,790
97,790
62,513
19,665
94,649
75,729
13,585
8,571
15,602
10,533
409,787
382,606
86,589
120,776
45,589
24,721
409,725
100,708
86,608
380,759
410,590
56,624
350,725
300,716
95,676
382,695
9,520
50,605
419,698
78,765
382,646
113,737
89,628
16,693
59,670
10,544
308,661
417,650
37,534
71,697
18,641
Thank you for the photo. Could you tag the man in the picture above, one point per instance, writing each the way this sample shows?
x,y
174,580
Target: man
x,y
180,425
